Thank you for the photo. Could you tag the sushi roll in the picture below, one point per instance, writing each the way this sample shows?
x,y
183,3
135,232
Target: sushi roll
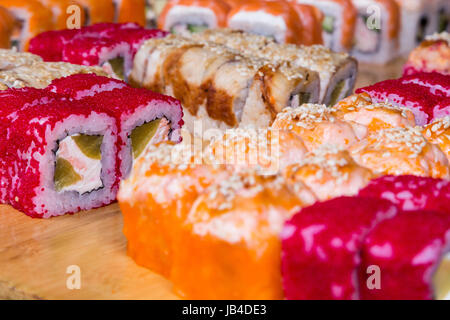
x,y
329,172
130,11
232,91
420,99
433,55
321,247
64,157
366,116
418,19
231,237
316,125
97,11
41,74
7,25
31,18
377,31
156,198
266,150
60,15
438,132
337,71
400,151
143,117
338,24
411,193
410,251
185,16
274,19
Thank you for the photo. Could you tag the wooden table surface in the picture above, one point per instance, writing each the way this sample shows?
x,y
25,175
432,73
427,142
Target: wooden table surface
x,y
35,254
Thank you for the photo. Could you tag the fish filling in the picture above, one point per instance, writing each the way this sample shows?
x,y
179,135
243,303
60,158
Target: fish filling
x,y
78,164
368,36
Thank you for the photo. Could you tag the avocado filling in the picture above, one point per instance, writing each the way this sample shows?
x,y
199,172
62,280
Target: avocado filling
x,y
444,20
78,164
441,279
141,136
117,66
336,94
328,24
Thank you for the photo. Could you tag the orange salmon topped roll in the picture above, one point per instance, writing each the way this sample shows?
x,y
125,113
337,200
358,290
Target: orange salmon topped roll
x,y
275,19
400,151
31,18
130,11
59,10
338,25
438,132
365,116
157,196
311,19
230,245
316,125
377,30
269,150
7,25
330,172
186,16
98,11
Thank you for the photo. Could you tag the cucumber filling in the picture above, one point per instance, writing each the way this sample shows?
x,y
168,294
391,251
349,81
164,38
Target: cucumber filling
x,y
337,91
78,164
441,279
328,24
421,29
443,21
185,29
142,135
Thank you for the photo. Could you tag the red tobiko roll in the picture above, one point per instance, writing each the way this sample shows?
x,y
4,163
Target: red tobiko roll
x,y
408,250
437,83
57,156
321,247
143,117
411,193
419,99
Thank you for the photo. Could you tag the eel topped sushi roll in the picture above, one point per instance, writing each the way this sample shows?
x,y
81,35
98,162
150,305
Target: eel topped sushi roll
x,y
338,25
186,16
274,19
31,17
58,156
233,90
377,31
337,71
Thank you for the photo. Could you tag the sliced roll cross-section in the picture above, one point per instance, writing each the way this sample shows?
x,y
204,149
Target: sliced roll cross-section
x,y
143,117
65,154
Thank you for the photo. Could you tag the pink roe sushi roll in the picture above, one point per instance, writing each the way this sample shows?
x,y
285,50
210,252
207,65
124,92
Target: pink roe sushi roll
x,y
419,99
409,251
411,193
321,247
143,117
57,156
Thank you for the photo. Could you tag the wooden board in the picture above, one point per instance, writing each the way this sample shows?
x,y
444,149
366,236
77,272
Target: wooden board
x,y
35,253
